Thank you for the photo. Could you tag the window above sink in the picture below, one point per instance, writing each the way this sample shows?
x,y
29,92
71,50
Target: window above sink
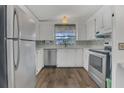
x,y
65,34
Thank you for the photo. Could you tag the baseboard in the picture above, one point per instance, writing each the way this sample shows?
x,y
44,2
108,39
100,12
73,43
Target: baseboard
x,y
53,66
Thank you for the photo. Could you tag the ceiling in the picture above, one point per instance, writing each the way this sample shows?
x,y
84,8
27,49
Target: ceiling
x,y
56,12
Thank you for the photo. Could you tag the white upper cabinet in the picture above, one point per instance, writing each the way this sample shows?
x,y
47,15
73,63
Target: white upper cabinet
x,y
46,31
81,31
104,20
99,21
37,31
107,18
91,29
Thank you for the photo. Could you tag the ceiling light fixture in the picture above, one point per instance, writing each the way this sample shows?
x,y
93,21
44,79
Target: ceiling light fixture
x,y
65,20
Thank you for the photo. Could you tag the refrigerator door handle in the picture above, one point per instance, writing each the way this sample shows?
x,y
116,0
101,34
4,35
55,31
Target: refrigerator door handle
x,y
16,62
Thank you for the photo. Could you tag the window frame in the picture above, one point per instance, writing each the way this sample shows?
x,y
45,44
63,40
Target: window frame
x,y
74,25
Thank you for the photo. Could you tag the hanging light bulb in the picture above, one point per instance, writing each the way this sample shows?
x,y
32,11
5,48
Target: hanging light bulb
x,y
65,20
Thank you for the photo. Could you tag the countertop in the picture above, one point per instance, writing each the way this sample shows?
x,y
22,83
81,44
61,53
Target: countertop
x,y
62,48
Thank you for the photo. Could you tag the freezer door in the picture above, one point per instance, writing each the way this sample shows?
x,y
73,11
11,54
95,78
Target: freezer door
x,y
25,72
12,22
10,14
16,28
19,17
27,25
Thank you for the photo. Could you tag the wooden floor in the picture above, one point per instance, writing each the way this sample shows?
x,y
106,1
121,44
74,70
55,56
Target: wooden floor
x,y
64,78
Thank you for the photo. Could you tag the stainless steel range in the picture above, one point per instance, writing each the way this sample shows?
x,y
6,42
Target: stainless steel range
x,y
100,65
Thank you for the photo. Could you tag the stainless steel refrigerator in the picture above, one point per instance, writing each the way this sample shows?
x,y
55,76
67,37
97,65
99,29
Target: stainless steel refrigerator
x,y
17,47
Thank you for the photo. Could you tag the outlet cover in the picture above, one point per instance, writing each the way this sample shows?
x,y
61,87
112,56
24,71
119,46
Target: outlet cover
x,y
121,46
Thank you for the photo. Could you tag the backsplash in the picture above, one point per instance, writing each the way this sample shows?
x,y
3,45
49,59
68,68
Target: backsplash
x,y
99,43
95,44
79,44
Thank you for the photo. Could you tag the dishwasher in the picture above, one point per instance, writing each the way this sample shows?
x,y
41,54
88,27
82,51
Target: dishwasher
x,y
50,57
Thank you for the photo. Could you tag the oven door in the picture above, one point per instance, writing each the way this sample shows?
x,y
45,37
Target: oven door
x,y
97,64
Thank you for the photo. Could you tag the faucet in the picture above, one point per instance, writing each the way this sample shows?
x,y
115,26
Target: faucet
x,y
65,43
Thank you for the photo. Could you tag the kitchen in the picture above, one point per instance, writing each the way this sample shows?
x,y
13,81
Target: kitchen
x,y
76,53
59,46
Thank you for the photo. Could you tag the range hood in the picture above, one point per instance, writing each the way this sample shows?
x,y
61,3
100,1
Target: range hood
x,y
103,35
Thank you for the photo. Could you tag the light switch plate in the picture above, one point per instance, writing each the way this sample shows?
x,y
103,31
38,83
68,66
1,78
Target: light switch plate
x,y
121,46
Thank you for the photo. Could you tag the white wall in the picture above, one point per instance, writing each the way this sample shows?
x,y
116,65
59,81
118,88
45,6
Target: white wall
x,y
120,76
118,34
118,37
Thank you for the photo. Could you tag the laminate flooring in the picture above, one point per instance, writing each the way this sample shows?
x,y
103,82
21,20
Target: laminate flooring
x,y
64,78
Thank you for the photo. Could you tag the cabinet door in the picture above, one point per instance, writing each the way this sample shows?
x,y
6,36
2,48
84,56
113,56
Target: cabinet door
x,y
88,30
46,31
99,21
104,20
91,29
69,58
37,31
81,31
39,60
107,18
86,59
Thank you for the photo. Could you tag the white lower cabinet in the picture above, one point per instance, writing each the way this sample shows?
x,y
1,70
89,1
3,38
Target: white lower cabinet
x,y
39,60
69,57
86,58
